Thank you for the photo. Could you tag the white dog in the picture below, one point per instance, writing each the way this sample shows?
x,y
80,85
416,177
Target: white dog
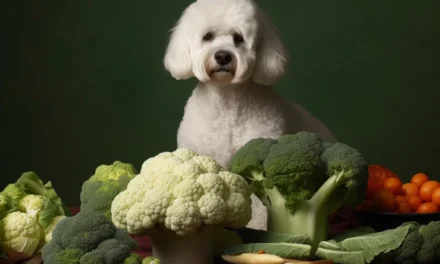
x,y
235,52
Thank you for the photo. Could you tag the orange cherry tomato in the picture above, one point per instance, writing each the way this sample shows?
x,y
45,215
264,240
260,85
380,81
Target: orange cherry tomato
x,y
404,207
427,189
419,179
415,201
410,189
384,200
393,185
429,207
400,198
436,196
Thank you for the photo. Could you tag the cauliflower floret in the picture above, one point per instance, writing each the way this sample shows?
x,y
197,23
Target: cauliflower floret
x,y
182,191
152,210
213,209
184,154
32,204
212,183
162,163
20,232
189,190
183,217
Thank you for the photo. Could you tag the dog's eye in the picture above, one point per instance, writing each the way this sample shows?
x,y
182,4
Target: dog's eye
x,y
208,36
238,39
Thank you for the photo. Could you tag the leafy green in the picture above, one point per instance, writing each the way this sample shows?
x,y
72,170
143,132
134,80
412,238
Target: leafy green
x,y
362,248
284,250
355,232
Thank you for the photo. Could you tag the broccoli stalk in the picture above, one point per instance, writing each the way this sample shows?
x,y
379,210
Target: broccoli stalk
x,y
310,216
301,180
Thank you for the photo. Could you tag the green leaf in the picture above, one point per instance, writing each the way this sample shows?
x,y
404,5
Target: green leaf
x,y
363,248
47,214
249,235
30,183
360,231
284,250
342,257
330,244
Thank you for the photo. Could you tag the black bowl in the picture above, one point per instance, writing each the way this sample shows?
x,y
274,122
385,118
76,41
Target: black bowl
x,y
383,221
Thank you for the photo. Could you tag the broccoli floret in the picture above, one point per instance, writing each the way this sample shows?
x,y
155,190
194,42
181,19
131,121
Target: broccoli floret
x,y
407,252
108,181
86,238
55,254
430,250
301,180
109,251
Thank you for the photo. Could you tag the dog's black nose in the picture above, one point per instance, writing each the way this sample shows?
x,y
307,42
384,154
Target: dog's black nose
x,y
222,57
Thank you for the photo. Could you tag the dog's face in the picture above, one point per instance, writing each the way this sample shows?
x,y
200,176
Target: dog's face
x,y
225,41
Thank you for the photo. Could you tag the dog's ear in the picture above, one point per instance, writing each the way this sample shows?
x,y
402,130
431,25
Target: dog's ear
x,y
177,59
271,54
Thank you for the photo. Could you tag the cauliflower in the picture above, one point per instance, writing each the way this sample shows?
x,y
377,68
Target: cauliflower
x,y
31,204
151,260
182,200
29,211
20,234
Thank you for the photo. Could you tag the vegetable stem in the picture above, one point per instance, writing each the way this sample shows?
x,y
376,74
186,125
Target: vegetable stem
x,y
310,217
198,248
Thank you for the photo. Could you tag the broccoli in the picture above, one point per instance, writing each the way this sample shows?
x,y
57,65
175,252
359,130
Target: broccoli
x,y
430,250
88,238
407,252
301,180
108,181
409,243
421,246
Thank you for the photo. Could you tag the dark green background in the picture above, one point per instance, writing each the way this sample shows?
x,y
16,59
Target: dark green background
x,y
82,82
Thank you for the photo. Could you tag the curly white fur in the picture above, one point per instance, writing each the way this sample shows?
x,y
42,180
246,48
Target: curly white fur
x,y
235,52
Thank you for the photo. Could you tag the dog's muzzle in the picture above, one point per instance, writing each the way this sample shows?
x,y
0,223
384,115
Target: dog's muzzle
x,y
224,60
223,57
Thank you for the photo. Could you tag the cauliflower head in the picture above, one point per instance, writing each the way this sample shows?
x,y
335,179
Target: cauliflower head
x,y
182,191
20,232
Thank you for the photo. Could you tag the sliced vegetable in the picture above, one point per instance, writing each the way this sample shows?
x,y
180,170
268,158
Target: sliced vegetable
x,y
252,258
